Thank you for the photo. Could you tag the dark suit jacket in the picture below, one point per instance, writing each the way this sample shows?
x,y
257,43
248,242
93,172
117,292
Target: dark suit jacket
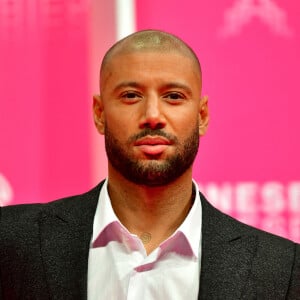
x,y
44,254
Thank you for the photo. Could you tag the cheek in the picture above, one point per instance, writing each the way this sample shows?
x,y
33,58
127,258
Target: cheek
x,y
119,127
183,124
121,115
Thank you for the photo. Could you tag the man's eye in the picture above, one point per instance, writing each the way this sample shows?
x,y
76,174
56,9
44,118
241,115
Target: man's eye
x,y
174,96
130,95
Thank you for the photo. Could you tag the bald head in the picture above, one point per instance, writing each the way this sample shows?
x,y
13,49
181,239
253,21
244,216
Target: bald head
x,y
150,40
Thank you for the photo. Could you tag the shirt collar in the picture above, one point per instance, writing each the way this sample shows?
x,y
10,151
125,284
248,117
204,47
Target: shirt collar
x,y
190,228
104,214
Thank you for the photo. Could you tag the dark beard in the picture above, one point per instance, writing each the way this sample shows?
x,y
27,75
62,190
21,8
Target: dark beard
x,y
153,172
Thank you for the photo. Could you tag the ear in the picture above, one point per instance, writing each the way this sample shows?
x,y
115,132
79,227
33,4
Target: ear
x,y
203,115
98,113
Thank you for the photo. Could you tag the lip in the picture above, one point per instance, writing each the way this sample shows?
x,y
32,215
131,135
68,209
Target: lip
x,y
152,145
152,141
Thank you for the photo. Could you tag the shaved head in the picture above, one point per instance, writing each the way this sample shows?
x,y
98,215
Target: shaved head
x,y
150,108
150,41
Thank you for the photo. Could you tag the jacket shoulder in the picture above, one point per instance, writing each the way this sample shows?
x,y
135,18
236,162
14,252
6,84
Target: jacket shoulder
x,y
234,227
275,262
23,215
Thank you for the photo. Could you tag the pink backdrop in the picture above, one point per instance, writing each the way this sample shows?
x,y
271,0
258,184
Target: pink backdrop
x,y
45,99
248,163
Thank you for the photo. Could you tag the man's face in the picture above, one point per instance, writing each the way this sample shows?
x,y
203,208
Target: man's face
x,y
150,111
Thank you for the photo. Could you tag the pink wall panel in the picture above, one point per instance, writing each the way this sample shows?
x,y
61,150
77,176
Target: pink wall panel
x,y
248,163
45,115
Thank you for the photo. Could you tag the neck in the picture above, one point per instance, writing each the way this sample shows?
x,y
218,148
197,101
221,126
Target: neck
x,y
152,213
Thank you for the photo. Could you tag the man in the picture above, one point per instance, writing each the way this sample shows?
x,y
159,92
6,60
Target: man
x,y
146,232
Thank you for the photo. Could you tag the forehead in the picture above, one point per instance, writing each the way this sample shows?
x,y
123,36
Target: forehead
x,y
140,64
136,47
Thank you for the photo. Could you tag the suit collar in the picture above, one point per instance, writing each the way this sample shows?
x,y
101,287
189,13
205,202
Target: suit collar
x,y
65,231
78,210
227,254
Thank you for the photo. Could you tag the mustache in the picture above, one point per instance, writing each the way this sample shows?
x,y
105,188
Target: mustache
x,y
152,132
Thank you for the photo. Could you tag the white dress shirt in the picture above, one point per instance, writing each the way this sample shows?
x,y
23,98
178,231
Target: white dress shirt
x,y
119,267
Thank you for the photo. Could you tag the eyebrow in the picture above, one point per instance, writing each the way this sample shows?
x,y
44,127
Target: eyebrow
x,y
177,85
124,84
170,85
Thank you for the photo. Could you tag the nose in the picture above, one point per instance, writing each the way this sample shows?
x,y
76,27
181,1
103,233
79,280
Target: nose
x,y
152,114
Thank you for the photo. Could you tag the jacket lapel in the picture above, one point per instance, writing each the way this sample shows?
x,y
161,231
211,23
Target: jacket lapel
x,y
227,254
65,231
